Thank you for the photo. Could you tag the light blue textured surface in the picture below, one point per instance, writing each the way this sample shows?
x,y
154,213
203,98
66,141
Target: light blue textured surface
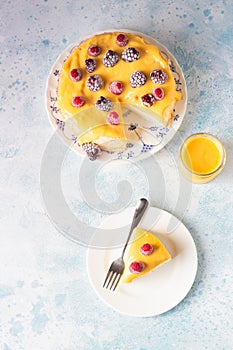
x,y
46,301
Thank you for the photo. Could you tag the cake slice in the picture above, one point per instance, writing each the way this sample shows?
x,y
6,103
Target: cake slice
x,y
145,253
103,128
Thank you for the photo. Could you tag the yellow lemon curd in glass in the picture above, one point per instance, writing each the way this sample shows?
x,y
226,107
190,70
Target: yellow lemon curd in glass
x,y
149,60
158,256
203,156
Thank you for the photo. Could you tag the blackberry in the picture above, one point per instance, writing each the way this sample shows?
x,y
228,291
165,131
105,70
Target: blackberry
x,y
92,150
130,54
137,79
90,65
94,82
110,58
158,76
104,104
148,100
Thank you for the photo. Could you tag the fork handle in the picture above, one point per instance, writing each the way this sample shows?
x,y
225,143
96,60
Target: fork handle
x,y
138,214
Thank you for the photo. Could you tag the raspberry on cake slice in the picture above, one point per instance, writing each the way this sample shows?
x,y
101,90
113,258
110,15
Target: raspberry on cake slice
x,y
144,254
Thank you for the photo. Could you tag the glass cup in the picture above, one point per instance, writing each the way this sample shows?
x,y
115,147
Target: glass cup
x,y
201,157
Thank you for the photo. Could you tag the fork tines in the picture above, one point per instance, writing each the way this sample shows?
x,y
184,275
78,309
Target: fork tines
x,y
112,279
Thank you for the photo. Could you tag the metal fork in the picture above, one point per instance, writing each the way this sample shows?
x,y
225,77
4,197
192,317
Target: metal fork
x,y
117,267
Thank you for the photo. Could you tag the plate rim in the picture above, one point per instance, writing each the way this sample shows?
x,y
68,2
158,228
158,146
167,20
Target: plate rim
x,y
82,38
148,314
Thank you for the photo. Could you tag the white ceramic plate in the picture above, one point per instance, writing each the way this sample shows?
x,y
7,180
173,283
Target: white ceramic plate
x,y
149,138
159,290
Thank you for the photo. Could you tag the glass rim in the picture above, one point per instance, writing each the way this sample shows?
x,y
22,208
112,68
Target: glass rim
x,y
209,136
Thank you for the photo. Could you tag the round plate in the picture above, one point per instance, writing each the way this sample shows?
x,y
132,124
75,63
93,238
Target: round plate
x,y
161,289
149,135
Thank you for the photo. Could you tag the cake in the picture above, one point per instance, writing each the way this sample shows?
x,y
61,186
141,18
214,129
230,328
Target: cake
x,y
145,253
110,70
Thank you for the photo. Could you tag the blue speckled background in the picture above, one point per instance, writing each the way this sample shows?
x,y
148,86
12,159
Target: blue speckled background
x,y
46,301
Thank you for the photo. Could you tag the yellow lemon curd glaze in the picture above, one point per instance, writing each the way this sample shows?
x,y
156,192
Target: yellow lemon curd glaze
x,y
158,256
201,155
150,59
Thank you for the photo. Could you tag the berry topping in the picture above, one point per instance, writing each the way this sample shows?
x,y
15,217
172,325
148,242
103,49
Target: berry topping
x,y
94,50
137,79
122,40
130,55
148,100
90,65
92,150
136,267
94,82
78,101
158,93
146,249
104,104
110,58
158,76
76,74
116,87
113,118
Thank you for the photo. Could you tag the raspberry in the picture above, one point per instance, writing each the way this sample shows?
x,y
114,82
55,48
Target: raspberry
x,y
94,50
137,79
136,267
94,82
90,65
158,76
158,94
122,40
113,118
130,55
110,58
78,101
146,249
116,87
92,150
148,100
76,74
104,104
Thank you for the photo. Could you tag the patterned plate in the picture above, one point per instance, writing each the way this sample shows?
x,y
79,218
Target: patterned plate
x,y
145,134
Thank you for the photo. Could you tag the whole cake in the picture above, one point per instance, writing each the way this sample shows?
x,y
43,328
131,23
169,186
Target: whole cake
x,y
109,70
146,252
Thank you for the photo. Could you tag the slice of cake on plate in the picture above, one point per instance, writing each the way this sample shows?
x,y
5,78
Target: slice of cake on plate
x,y
145,253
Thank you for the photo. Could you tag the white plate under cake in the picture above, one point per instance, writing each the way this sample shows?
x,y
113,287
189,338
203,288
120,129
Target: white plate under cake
x,y
162,288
